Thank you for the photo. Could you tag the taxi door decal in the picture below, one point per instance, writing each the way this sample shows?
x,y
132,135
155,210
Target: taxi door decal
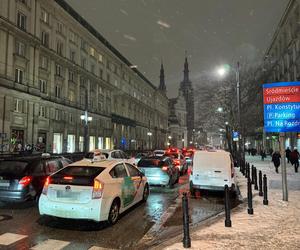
x,y
128,191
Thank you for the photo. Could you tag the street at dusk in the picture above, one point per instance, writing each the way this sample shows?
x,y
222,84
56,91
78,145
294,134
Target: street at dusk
x,y
140,124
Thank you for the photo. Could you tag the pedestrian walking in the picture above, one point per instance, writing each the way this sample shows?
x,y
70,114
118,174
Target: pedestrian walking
x,y
294,158
263,154
287,154
271,151
276,160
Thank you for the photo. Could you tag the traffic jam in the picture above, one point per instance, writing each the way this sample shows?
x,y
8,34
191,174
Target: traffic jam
x,y
105,184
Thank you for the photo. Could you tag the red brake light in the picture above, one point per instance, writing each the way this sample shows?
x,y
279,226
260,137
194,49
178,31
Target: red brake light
x,y
45,188
97,189
25,181
177,162
68,178
165,168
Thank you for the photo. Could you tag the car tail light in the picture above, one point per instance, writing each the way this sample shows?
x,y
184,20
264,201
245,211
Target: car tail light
x,y
177,162
25,181
97,189
68,178
165,168
46,185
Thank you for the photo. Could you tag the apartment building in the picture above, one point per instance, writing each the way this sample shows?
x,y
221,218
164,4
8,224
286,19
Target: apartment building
x,y
53,67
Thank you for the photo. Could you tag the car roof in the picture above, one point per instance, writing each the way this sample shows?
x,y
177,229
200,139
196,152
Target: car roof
x,y
100,163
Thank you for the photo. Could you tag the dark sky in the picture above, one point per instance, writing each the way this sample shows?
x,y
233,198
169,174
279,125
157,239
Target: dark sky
x,y
212,31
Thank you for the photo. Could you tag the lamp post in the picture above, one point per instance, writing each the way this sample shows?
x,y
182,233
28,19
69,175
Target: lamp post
x,y
222,71
86,119
149,135
170,138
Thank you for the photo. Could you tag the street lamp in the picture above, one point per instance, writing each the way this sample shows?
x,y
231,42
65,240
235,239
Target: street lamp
x,y
222,72
86,119
149,134
182,143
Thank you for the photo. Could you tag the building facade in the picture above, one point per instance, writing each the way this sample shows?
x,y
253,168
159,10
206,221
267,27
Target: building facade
x,y
282,58
54,66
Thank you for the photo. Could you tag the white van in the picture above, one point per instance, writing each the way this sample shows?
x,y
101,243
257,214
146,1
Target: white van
x,y
212,170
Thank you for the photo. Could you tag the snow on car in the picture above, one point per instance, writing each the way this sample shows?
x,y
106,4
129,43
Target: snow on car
x,y
97,190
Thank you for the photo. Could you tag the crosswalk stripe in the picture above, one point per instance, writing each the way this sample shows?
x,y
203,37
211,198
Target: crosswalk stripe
x,y
51,244
10,238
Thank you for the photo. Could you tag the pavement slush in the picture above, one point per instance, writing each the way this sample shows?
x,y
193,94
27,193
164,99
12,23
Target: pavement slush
x,y
275,226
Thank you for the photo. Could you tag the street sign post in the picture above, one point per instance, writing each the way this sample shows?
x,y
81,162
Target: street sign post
x,y
282,114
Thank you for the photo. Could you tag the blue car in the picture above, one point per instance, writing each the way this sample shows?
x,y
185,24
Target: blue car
x,y
159,170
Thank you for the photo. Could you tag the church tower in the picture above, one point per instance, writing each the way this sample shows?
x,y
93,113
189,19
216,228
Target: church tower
x,y
188,93
162,84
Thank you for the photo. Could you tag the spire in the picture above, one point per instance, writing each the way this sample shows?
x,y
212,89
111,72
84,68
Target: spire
x,y
186,69
162,85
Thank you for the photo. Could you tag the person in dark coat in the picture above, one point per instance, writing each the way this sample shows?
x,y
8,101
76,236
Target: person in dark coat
x,y
287,154
294,158
276,160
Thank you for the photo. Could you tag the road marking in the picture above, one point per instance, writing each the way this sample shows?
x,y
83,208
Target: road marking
x,y
51,244
9,238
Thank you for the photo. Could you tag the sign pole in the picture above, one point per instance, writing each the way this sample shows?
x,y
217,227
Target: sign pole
x,y
283,167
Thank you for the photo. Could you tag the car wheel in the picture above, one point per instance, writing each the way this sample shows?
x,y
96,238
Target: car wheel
x,y
145,193
114,213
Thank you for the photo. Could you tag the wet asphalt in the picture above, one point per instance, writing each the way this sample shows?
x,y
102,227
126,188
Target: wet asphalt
x,y
129,231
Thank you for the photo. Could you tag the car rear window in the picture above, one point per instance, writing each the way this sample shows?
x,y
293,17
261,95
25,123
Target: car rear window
x,y
76,175
150,163
13,168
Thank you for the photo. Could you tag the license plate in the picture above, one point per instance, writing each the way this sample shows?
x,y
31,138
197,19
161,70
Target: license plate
x,y
66,194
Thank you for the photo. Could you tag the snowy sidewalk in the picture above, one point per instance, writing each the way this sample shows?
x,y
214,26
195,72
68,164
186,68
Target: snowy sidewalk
x,y
276,226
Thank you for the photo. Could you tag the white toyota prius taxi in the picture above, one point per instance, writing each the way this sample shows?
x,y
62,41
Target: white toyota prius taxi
x,y
97,190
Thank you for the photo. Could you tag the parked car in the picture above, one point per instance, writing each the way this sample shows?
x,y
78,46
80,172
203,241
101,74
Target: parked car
x,y
139,156
113,154
93,190
212,170
179,161
23,178
159,170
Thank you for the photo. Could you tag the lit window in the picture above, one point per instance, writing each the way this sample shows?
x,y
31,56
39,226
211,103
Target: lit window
x,y
19,76
21,21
